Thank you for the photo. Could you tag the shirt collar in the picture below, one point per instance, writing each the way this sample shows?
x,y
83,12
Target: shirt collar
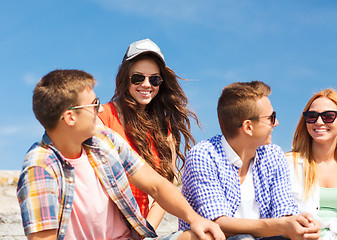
x,y
233,158
46,140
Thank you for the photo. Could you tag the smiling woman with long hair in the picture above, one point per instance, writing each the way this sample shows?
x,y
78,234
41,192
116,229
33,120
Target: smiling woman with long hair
x,y
149,109
313,160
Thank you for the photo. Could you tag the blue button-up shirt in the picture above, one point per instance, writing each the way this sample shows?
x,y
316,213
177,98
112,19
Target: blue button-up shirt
x,y
211,183
47,183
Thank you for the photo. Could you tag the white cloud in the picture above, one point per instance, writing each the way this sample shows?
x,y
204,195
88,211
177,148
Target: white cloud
x,y
236,16
31,79
9,130
174,10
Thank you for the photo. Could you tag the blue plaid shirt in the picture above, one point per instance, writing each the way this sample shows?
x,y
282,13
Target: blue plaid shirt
x,y
47,183
212,185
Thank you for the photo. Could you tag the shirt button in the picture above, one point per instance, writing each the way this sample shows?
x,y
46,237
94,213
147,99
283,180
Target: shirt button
x,y
68,205
62,230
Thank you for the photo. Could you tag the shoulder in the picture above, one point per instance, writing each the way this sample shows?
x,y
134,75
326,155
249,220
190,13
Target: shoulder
x,y
294,157
106,134
42,157
205,152
270,150
108,114
207,146
39,155
271,156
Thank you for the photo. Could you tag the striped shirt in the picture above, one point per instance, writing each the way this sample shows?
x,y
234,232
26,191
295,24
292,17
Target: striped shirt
x,y
46,186
211,183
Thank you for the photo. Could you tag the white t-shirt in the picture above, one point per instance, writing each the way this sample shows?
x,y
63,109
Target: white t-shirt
x,y
248,207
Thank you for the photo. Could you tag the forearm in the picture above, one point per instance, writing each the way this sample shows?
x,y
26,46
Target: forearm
x,y
45,235
255,227
165,193
169,198
155,215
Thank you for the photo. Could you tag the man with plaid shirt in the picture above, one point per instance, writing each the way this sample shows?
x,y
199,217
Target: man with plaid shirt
x,y
74,183
239,179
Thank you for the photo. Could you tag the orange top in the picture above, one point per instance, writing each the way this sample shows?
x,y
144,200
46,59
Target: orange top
x,y
110,119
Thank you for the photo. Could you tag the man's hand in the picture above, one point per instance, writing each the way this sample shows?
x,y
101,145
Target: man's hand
x,y
201,226
302,226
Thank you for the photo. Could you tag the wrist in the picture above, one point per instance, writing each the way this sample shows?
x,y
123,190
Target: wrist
x,y
274,226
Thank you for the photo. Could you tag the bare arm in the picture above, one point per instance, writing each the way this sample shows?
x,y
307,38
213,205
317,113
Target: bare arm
x,y
156,212
169,197
45,235
293,227
171,142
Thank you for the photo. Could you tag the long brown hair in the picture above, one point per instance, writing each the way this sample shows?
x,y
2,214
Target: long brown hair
x,y
167,112
302,143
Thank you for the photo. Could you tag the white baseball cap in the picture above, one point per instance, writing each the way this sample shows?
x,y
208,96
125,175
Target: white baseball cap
x,y
143,46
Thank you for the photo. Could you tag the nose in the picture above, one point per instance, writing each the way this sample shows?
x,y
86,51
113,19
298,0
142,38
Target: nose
x,y
146,82
276,123
319,120
100,109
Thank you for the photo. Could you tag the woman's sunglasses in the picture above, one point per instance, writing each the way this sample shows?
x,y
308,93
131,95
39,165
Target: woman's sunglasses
x,y
137,79
312,116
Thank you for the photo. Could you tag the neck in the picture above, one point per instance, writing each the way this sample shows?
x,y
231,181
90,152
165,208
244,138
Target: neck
x,y
324,151
66,143
245,152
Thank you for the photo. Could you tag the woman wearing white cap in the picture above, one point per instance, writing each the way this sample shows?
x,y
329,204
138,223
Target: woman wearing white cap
x,y
149,109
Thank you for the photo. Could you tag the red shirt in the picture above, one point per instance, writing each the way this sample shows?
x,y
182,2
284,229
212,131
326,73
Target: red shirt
x,y
110,119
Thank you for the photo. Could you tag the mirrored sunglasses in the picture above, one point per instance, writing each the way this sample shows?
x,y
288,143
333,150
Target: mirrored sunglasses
x,y
96,104
137,79
312,116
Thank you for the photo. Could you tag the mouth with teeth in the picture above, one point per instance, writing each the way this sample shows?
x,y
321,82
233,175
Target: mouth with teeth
x,y
321,130
144,93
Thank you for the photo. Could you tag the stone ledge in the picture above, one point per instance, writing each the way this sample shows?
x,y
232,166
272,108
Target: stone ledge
x,y
10,219
9,177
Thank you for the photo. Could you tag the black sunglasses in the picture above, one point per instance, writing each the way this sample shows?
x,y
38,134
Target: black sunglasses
x,y
272,118
312,116
137,79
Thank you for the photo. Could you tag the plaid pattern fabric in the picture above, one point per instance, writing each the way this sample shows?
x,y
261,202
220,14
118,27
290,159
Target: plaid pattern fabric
x,y
212,186
46,185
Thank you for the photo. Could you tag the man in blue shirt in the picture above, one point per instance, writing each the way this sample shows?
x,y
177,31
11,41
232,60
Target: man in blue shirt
x,y
239,179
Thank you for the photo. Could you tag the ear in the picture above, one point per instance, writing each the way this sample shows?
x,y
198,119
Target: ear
x,y
247,127
69,117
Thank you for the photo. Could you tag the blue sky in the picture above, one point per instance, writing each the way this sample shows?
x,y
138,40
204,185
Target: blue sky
x,y
290,45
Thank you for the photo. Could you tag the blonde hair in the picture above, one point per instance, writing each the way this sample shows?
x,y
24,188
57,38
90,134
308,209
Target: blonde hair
x,y
302,143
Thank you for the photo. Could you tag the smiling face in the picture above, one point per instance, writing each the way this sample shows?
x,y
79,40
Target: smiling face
x,y
86,116
263,127
144,92
319,131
